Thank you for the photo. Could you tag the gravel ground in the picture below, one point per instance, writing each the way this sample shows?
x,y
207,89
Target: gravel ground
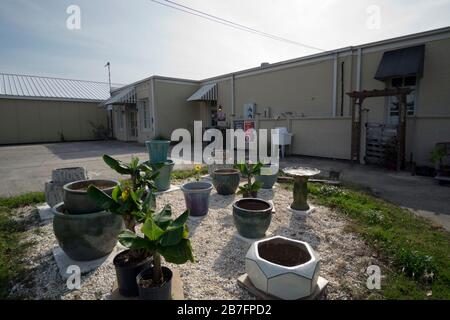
x,y
218,251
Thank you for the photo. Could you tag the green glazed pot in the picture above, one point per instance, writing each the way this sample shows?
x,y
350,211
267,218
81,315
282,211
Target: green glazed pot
x,y
85,237
162,182
76,199
252,217
226,181
157,150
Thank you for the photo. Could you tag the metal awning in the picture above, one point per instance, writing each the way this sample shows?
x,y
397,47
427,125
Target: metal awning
x,y
125,96
208,92
401,62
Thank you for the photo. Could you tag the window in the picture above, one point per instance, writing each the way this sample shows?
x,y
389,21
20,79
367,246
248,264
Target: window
x,y
145,111
403,82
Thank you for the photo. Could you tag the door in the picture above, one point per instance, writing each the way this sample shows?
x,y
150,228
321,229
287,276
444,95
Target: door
x,y
132,125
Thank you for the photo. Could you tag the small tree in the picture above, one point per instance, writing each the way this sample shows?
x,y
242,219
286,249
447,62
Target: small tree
x,y
163,236
130,198
249,170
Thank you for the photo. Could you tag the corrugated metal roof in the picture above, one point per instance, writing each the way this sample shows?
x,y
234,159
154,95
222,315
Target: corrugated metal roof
x,y
206,93
25,86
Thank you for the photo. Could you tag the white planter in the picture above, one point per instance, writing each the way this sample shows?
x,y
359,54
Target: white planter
x,y
283,267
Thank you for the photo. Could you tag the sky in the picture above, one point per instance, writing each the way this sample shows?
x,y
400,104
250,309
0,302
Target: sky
x,y
141,38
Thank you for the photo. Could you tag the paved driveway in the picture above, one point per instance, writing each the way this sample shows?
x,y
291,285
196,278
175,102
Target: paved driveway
x,y
26,168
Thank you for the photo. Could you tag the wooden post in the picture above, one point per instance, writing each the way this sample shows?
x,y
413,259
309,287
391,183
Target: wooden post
x,y
352,151
401,132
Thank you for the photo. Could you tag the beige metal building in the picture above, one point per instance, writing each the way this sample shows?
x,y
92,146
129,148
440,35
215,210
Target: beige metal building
x,y
308,96
41,109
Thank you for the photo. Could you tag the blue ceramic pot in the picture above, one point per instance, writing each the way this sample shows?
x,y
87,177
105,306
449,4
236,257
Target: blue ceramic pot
x,y
157,150
162,181
196,195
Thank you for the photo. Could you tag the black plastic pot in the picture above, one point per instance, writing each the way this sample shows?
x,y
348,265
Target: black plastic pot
x,y
126,274
163,292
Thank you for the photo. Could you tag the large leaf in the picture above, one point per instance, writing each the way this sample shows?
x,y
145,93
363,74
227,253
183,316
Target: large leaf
x,y
102,199
151,230
132,241
149,203
181,220
257,169
179,253
172,236
116,165
163,219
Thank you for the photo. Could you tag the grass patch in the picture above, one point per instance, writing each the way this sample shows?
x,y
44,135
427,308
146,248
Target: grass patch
x,y
12,246
22,200
186,174
417,251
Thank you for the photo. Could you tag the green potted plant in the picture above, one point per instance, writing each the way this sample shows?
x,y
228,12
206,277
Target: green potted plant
x,y
162,236
196,194
249,170
131,199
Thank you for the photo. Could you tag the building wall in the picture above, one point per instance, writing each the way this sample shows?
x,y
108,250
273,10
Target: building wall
x,y
172,111
28,121
305,89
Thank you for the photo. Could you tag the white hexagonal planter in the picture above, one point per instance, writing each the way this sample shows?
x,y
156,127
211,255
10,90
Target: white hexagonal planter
x,y
283,267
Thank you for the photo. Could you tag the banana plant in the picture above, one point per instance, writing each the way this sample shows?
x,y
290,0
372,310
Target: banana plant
x,y
132,198
162,236
141,174
249,170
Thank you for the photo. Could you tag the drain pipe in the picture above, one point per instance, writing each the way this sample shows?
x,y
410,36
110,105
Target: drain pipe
x,y
358,70
335,75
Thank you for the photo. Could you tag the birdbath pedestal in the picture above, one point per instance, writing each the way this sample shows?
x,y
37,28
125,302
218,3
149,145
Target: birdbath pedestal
x,y
301,176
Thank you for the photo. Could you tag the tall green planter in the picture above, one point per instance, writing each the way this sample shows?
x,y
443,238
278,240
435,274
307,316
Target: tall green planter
x,y
162,182
157,150
85,237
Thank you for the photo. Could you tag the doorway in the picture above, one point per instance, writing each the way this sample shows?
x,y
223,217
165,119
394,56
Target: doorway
x,y
132,125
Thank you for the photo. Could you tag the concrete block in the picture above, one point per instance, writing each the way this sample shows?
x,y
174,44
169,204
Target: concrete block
x,y
63,261
45,212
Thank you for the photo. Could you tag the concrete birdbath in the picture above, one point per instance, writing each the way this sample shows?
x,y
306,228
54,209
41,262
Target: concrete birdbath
x,y
301,176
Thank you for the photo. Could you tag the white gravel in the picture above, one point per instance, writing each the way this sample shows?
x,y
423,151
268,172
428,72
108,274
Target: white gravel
x,y
219,253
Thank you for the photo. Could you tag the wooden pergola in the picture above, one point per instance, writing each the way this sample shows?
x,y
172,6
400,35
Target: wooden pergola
x,y
358,98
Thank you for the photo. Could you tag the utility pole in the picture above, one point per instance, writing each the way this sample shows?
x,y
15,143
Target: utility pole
x,y
109,74
110,116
